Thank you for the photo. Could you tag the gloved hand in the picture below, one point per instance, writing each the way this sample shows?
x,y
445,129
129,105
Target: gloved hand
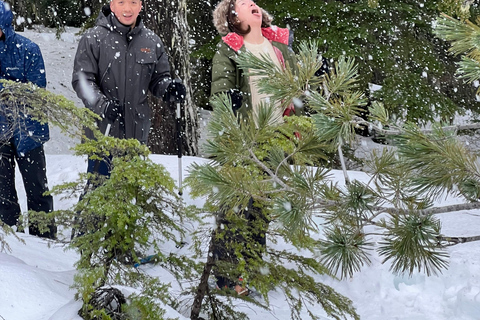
x,y
236,98
112,111
176,91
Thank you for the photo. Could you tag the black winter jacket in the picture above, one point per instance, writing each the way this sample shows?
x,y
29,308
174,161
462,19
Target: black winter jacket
x,y
119,63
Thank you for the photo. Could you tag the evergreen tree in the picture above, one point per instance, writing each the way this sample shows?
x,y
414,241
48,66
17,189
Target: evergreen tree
x,y
50,13
397,200
119,219
122,219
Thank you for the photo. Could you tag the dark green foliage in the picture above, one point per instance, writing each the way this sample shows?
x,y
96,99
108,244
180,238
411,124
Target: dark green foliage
x,y
120,220
44,106
60,13
393,45
52,13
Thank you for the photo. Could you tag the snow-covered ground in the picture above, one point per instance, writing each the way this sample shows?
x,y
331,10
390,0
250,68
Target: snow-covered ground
x,y
35,278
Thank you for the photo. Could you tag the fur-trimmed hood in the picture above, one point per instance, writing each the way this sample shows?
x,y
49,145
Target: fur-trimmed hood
x,y
220,17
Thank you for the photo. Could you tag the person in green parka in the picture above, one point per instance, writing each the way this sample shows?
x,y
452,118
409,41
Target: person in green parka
x,y
244,26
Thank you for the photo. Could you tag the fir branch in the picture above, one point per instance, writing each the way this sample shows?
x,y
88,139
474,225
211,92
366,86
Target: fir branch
x,y
21,99
6,230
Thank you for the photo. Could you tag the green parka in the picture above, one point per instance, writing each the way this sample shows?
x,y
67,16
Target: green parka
x,y
227,75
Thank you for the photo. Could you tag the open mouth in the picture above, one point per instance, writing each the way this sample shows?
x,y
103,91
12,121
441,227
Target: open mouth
x,y
255,11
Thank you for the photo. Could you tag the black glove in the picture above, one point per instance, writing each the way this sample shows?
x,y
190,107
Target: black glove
x,y
112,111
176,91
323,69
236,98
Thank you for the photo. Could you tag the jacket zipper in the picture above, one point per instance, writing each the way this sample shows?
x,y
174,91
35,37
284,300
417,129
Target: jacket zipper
x,y
105,73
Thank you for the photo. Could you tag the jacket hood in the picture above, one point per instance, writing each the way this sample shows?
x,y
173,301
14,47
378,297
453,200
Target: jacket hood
x,y
220,17
6,18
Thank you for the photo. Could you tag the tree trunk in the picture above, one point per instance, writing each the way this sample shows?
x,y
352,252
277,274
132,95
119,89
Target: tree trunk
x,y
19,9
168,19
203,285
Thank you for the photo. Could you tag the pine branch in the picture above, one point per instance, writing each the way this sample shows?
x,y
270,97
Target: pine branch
x,y
430,211
275,178
440,163
462,35
344,251
344,78
469,69
457,240
411,243
284,85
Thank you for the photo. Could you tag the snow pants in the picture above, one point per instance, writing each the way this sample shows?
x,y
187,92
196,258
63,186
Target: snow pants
x,y
32,167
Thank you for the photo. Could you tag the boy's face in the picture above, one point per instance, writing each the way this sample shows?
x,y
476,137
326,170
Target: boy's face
x,y
126,11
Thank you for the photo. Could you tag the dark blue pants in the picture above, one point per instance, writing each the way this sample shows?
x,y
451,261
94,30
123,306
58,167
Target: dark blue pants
x,y
101,168
32,167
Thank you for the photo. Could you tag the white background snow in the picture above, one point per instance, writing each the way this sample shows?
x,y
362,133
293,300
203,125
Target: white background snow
x,y
35,278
